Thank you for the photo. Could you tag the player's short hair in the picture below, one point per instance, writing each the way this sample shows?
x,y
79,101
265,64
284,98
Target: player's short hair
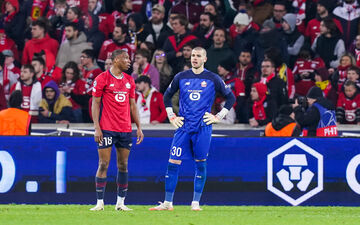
x,y
116,53
89,53
40,60
144,53
200,49
16,99
29,67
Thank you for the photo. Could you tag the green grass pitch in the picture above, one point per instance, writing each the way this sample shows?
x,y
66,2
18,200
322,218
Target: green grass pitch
x,y
224,215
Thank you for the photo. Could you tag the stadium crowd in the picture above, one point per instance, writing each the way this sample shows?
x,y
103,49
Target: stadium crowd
x,y
267,51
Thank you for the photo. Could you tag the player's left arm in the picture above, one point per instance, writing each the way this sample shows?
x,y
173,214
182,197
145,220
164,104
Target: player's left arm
x,y
225,90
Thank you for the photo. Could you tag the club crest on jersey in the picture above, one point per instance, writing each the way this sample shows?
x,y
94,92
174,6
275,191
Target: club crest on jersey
x,y
120,97
203,84
127,85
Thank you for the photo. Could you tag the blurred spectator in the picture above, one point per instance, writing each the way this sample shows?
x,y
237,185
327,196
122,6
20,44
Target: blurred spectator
x,y
74,15
269,37
205,30
7,44
7,77
276,87
137,32
95,7
147,9
149,102
156,27
30,88
348,104
355,49
211,8
3,102
353,74
14,121
148,46
73,88
324,9
71,50
174,43
57,17
51,69
9,62
246,71
349,16
40,41
279,12
165,70
93,35
89,69
294,39
54,107
219,51
282,70
283,125
119,41
142,67
339,76
319,118
239,110
191,9
329,45
328,88
39,67
108,64
123,8
184,59
82,5
36,8
246,34
14,22
262,108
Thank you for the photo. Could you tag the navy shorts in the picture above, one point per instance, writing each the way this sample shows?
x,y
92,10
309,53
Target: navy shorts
x,y
119,139
194,145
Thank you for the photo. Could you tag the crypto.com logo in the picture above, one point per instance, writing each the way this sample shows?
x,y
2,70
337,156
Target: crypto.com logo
x,y
294,170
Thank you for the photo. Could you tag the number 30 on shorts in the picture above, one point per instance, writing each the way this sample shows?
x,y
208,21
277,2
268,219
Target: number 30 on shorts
x,y
176,151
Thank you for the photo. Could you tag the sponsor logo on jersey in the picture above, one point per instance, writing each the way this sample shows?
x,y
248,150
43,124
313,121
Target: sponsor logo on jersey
x,y
127,85
120,97
195,96
203,84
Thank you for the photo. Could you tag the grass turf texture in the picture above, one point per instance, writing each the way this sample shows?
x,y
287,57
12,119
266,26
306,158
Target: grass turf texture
x,y
224,215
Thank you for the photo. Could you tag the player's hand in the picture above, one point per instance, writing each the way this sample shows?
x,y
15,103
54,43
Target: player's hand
x,y
140,136
98,136
177,121
210,118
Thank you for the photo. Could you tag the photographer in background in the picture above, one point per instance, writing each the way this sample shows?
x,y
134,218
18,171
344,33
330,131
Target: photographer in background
x,y
319,118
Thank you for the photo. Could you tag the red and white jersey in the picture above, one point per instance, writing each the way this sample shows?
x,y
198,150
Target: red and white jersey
x,y
109,46
350,107
116,94
307,65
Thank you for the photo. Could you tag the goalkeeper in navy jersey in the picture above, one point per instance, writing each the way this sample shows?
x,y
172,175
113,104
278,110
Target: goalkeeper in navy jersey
x,y
192,137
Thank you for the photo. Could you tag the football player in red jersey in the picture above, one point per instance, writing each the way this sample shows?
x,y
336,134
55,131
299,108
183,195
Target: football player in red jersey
x,y
114,90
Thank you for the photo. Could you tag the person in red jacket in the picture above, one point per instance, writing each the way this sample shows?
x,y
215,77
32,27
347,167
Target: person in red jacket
x,y
348,104
8,44
40,41
149,102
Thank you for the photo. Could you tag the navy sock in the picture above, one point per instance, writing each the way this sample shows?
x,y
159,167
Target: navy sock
x,y
122,183
171,179
199,180
100,187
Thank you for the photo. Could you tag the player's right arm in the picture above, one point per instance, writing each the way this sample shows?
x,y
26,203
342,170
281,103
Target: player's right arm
x,y
95,109
176,121
97,93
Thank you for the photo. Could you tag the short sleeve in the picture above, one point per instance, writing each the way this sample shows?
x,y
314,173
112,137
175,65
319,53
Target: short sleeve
x,y
98,86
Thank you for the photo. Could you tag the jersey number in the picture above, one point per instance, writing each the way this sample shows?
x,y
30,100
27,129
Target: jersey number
x,y
107,140
176,151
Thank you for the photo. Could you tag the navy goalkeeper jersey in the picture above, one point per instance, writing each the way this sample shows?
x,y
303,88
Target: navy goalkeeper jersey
x,y
197,94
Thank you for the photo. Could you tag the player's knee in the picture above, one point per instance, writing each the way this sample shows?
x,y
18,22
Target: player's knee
x,y
178,162
103,165
122,166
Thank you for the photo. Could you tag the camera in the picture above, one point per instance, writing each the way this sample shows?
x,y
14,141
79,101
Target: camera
x,y
302,101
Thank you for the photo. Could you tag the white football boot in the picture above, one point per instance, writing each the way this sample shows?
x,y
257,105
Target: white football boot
x,y
195,206
99,206
163,206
